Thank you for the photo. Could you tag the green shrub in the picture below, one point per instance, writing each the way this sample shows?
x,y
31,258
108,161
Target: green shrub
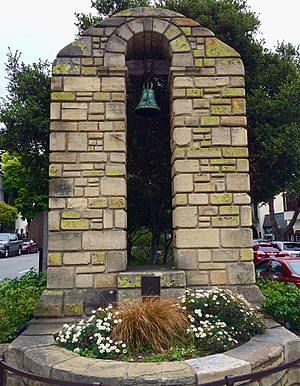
x,y
282,301
202,322
18,298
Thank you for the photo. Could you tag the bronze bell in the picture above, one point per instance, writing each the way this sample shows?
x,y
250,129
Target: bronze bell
x,y
147,105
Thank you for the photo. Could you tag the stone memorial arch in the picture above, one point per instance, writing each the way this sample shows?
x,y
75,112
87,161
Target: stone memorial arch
x,y
87,262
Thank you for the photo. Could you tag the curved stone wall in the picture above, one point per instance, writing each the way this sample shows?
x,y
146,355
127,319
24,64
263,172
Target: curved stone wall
x,y
35,351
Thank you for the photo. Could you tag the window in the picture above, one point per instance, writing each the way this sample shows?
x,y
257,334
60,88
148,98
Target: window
x,y
275,267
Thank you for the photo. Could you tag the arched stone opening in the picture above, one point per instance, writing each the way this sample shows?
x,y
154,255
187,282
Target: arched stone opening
x,y
211,213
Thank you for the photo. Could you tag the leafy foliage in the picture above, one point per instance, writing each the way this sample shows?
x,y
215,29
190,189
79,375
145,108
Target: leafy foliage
x,y
282,301
158,329
18,298
25,135
8,214
26,184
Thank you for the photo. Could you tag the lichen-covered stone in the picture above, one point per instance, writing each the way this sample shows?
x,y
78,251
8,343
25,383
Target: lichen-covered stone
x,y
216,48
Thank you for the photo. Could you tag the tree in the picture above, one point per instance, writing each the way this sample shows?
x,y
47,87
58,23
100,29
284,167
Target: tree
x,y
25,184
8,214
274,131
25,114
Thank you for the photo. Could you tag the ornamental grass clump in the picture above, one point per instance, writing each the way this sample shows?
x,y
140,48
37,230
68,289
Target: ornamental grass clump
x,y
202,322
152,324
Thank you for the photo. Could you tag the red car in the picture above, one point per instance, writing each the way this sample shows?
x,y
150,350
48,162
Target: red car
x,y
29,246
263,250
280,269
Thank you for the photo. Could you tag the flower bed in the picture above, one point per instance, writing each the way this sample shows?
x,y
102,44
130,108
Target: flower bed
x,y
201,323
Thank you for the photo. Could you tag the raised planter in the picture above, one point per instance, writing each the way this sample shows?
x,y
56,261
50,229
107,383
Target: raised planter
x,y
35,351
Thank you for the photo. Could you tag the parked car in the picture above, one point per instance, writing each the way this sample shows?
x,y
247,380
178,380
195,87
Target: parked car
x,y
291,247
287,270
10,244
263,250
29,246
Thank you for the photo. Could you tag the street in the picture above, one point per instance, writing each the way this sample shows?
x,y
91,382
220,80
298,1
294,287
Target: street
x,y
18,265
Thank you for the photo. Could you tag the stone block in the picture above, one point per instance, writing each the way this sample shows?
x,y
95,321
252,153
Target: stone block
x,y
186,166
197,238
241,273
225,255
221,198
114,60
77,142
183,82
186,259
54,220
84,280
183,183
182,136
171,279
197,278
218,277
242,165
108,221
76,258
220,136
74,224
115,170
120,219
55,111
60,241
60,277
77,203
73,303
104,280
57,141
114,141
98,258
214,82
63,126
203,153
216,48
54,259
198,198
239,136
236,238
204,255
237,182
104,240
50,304
93,157
241,198
182,106
234,120
112,186
216,367
57,203
116,261
180,44
180,199
246,216
81,84
225,221
115,111
229,66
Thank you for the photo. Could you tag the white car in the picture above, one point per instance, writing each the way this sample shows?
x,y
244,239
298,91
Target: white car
x,y
291,247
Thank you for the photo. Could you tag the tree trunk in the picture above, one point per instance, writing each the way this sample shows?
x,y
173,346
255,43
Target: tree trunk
x,y
282,234
168,242
155,207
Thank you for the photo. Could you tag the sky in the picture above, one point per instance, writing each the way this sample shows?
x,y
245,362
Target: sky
x,y
39,29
